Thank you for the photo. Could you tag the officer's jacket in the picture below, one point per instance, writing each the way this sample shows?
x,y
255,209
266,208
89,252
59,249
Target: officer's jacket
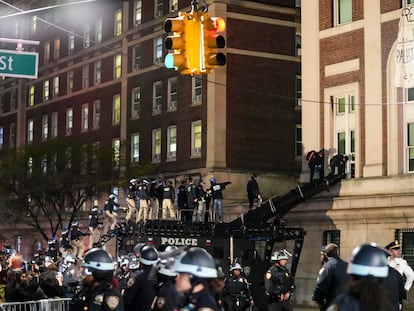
x,y
201,301
278,281
93,220
103,298
132,191
143,192
237,285
169,192
140,291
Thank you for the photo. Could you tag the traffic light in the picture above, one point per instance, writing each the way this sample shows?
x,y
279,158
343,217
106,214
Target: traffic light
x,y
213,40
184,43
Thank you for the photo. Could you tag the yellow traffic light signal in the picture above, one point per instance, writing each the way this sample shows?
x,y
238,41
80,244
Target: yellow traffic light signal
x,y
184,43
213,40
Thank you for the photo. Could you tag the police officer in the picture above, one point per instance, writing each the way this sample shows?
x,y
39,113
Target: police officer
x,y
400,264
368,267
332,277
194,268
237,295
52,250
144,201
140,291
110,214
279,283
76,240
70,281
167,296
97,292
217,195
253,192
64,243
168,200
131,199
94,225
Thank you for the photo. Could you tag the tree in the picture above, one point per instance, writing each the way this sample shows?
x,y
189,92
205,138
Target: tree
x,y
45,186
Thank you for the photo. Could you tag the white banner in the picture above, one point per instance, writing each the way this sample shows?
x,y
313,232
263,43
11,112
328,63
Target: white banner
x,y
404,55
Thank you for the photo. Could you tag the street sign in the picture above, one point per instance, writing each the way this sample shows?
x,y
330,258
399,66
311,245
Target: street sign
x,y
18,64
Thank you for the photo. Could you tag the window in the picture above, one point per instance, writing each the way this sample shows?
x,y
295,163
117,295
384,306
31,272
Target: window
x,y
45,127
116,109
30,130
43,165
85,76
156,145
135,148
137,57
158,46
97,69
70,79
56,49
117,66
12,136
298,42
98,30
172,142
86,36
342,11
1,137
68,158
71,42
45,90
410,147
298,141
157,97
85,114
196,138
31,95
158,8
172,94
173,5
406,239
138,11
54,129
96,114
298,91
33,26
116,155
118,23
84,159
46,51
95,156
13,99
331,236
56,86
197,88
136,103
69,121
341,142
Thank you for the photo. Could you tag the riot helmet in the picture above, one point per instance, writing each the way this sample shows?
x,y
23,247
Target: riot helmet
x,y
149,255
368,260
279,255
236,266
197,262
99,263
213,181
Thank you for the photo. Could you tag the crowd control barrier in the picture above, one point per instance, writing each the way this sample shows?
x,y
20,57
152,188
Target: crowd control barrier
x,y
60,304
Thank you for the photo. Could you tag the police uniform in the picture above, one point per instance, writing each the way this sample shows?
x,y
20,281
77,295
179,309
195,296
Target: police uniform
x,y
140,291
236,293
93,225
131,200
279,281
167,297
401,265
103,298
200,301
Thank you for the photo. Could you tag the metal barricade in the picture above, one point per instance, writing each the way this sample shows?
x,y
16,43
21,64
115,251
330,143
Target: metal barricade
x,y
61,304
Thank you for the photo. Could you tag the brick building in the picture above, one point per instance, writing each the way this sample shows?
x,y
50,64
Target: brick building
x,y
102,80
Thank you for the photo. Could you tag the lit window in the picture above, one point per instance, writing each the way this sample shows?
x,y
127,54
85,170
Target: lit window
x,y
98,30
196,138
138,11
157,97
298,141
197,89
118,23
116,154
1,137
56,86
34,24
86,36
298,91
96,114
69,121
135,148
56,47
85,76
54,132
97,72
172,142
71,42
158,47
137,57
172,94
46,55
85,114
70,79
30,129
31,95
45,90
116,109
156,145
45,127
117,66
136,103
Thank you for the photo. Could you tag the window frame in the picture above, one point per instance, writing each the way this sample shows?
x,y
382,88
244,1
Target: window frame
x,y
196,142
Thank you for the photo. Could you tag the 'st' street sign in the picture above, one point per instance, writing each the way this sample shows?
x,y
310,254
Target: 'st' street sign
x,y
18,64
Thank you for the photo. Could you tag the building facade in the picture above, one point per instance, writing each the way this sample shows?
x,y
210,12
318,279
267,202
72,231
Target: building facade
x,y
102,80
351,106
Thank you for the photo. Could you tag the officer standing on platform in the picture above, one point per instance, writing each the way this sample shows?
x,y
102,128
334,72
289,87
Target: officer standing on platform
x,y
93,225
76,240
168,200
97,293
279,283
132,199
